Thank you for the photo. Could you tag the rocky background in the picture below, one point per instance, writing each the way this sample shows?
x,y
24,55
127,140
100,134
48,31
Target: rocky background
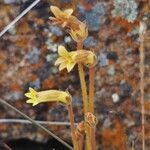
x,y
28,52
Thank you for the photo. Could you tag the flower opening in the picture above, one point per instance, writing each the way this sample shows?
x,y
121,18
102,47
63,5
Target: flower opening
x,y
66,59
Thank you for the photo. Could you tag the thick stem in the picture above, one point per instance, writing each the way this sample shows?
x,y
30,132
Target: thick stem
x,y
83,82
83,87
72,126
142,70
85,98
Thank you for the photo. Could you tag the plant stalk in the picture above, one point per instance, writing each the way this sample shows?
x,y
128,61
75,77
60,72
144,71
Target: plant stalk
x,y
91,103
85,98
72,126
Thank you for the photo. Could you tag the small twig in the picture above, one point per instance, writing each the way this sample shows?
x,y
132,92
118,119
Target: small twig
x,y
35,123
18,17
142,31
23,121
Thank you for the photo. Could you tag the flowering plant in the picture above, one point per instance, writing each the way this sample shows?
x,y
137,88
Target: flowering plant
x,y
68,59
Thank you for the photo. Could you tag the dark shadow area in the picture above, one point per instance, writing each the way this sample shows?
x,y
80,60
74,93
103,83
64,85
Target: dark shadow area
x,y
26,144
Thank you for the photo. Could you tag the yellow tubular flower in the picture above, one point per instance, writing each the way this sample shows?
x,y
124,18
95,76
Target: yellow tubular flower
x,y
69,59
61,17
47,96
80,34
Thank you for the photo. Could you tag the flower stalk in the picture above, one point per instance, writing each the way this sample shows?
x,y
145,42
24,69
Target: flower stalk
x,y
85,98
91,103
80,129
72,124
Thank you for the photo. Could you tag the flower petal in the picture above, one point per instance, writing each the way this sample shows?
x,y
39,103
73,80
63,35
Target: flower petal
x,y
62,66
31,90
59,61
68,12
73,55
56,11
32,101
70,66
62,51
29,95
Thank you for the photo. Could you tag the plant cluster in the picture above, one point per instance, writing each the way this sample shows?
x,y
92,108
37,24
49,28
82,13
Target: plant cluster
x,y
83,58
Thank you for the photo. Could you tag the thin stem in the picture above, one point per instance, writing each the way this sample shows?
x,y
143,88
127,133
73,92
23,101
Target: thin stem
x,y
18,17
80,142
91,103
142,70
85,98
71,117
23,121
36,124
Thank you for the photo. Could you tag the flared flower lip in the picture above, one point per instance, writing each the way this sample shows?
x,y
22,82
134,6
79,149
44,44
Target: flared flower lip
x,y
66,59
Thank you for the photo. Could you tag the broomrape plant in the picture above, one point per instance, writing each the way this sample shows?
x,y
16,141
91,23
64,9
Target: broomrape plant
x,y
68,59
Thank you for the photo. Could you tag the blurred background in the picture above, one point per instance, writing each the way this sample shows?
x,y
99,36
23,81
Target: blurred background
x,y
27,55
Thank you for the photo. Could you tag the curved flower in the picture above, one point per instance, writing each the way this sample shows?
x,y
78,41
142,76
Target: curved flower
x,y
80,34
61,17
47,96
69,59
